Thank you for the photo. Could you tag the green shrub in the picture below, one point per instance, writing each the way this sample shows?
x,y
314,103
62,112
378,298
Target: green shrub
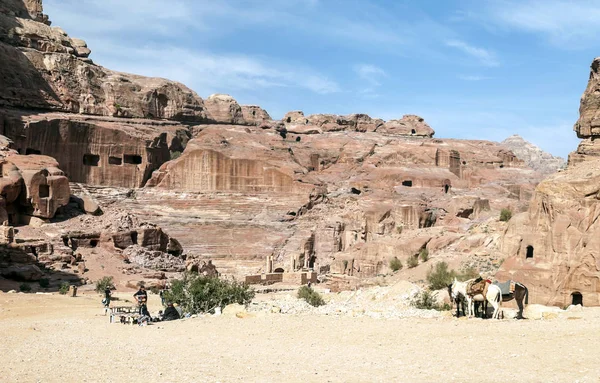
x,y
426,301
311,296
200,294
505,215
396,264
175,155
439,277
64,288
424,255
412,262
25,287
44,282
399,229
103,283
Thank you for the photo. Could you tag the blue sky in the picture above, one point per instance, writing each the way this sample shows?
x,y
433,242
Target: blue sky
x,y
473,69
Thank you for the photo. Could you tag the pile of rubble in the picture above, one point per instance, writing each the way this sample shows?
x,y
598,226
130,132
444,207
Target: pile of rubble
x,y
383,302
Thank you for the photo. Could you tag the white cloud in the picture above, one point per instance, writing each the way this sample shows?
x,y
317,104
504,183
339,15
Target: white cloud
x,y
484,56
566,23
209,73
370,73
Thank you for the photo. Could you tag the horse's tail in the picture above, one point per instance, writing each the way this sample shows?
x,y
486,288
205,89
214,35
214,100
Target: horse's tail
x,y
499,296
526,295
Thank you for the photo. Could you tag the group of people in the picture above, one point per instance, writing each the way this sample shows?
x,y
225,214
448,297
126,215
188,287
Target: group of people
x,y
171,312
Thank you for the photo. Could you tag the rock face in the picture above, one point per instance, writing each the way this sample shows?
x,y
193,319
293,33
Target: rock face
x,y
533,156
554,247
44,68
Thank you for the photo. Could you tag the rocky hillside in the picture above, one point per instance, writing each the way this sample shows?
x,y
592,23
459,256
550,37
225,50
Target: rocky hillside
x,y
337,194
554,246
533,156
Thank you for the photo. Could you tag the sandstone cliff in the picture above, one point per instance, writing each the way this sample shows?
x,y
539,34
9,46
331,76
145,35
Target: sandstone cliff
x,y
340,194
554,247
533,156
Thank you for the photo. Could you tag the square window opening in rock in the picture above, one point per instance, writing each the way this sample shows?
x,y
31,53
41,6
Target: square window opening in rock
x,y
91,160
115,161
132,159
44,191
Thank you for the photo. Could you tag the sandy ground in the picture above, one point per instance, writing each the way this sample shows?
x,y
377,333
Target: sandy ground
x,y
60,339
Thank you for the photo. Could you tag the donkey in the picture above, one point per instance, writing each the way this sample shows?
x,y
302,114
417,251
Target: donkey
x,y
493,296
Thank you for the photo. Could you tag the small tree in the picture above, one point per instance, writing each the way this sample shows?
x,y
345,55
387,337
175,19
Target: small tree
x,y
440,277
424,255
175,155
412,262
505,215
311,296
468,273
104,283
44,283
25,287
396,264
201,294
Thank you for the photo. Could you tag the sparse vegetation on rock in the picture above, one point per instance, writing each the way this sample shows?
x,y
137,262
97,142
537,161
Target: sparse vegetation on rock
x,y
505,215
396,264
412,262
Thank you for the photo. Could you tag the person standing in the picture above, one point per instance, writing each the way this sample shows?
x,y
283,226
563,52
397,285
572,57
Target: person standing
x,y
106,300
141,295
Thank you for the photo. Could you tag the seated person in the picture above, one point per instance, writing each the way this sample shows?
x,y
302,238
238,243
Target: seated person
x,y
170,313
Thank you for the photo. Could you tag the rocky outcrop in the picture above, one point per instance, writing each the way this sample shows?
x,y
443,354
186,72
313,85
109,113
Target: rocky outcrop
x,y
30,186
553,247
533,156
254,114
224,109
44,68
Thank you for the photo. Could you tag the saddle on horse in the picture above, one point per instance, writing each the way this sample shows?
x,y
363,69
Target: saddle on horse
x,y
478,286
507,288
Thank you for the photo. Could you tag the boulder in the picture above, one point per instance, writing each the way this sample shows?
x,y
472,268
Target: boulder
x,y
89,205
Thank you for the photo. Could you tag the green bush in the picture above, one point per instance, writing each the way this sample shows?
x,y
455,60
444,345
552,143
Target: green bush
x,y
396,264
64,288
412,262
311,296
25,287
426,301
175,155
505,215
424,255
439,277
44,283
199,294
103,283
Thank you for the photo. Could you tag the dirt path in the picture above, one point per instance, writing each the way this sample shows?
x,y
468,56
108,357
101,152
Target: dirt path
x,y
60,339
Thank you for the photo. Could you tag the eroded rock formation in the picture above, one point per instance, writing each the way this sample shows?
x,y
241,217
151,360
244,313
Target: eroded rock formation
x,y
533,156
554,246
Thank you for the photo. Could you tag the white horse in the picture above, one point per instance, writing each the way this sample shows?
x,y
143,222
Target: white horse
x,y
493,296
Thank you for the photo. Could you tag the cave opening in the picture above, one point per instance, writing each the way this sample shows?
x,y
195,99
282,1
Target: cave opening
x,y
115,161
576,299
132,159
44,191
32,151
91,160
529,252
407,183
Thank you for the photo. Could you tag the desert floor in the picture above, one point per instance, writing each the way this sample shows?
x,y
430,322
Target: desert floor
x,y
53,338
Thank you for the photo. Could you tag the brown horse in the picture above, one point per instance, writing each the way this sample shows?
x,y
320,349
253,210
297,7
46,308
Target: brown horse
x,y
520,295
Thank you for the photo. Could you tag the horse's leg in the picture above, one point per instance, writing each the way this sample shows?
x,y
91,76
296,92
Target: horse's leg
x,y
469,306
519,297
